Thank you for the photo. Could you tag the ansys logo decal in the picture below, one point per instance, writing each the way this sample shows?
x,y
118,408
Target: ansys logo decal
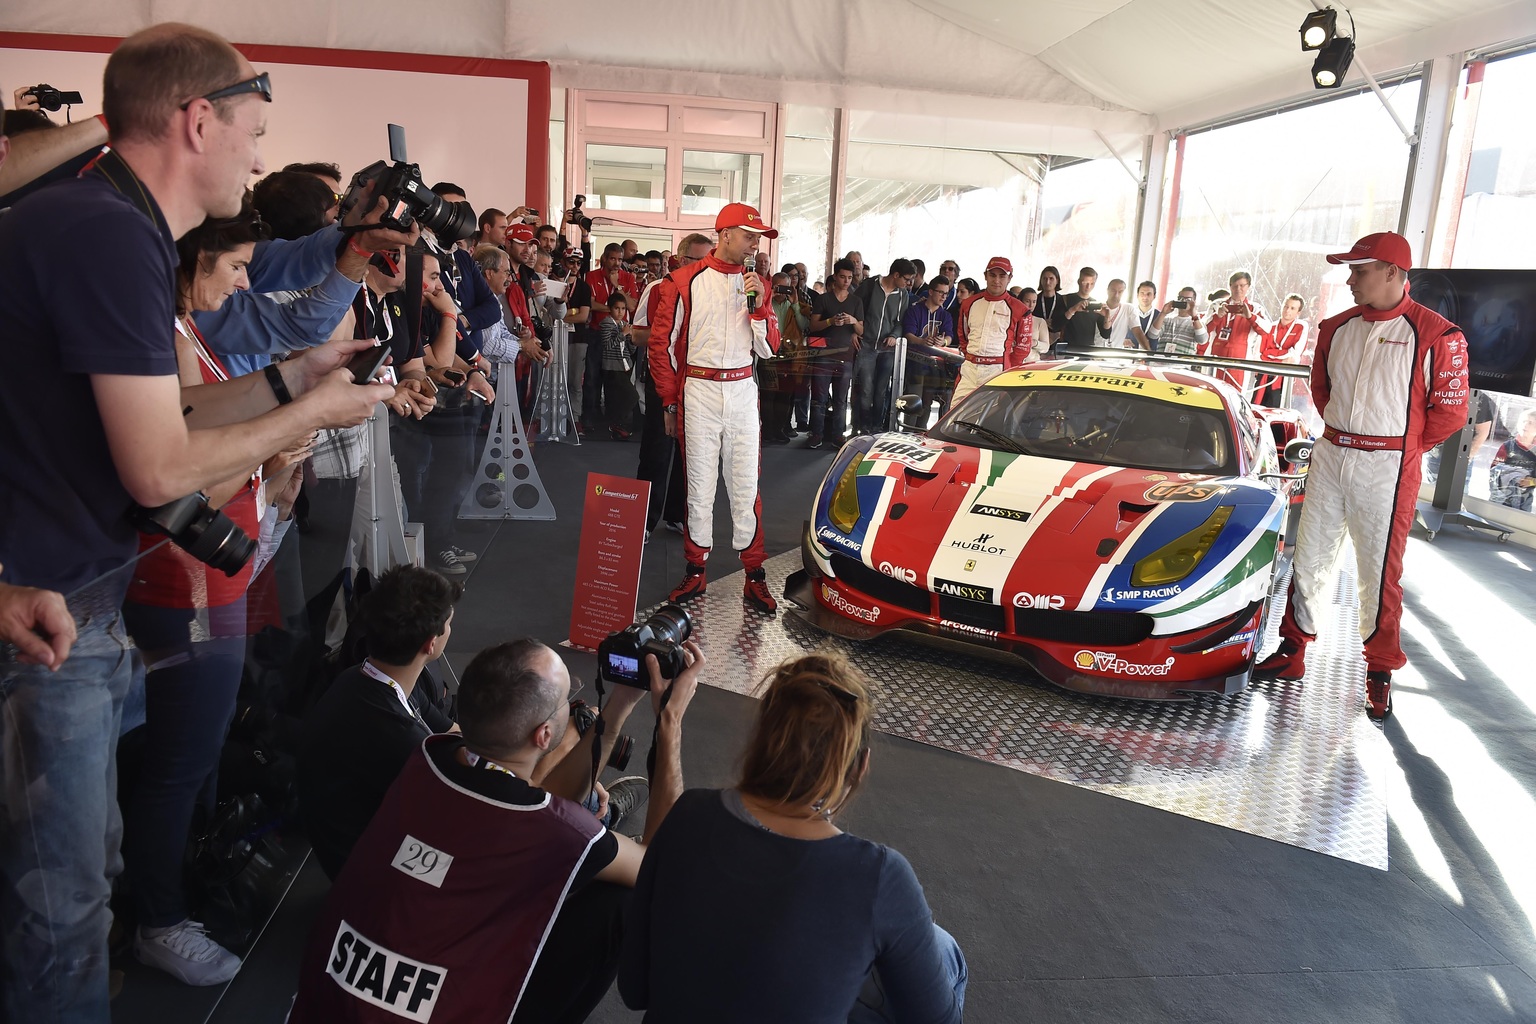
x,y
969,591
1001,513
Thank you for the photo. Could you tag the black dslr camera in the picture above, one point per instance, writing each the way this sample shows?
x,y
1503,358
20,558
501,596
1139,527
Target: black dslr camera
x,y
409,198
576,216
203,532
50,98
621,657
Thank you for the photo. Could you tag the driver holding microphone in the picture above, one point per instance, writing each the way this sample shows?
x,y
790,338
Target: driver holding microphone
x,y
709,320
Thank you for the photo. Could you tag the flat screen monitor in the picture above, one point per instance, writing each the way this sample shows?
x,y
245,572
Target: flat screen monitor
x,y
1496,310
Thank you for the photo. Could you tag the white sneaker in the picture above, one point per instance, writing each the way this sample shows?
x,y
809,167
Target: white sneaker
x,y
185,952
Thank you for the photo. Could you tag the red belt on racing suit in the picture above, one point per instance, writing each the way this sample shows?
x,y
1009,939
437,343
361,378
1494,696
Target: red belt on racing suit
x,y
985,360
1363,442
718,373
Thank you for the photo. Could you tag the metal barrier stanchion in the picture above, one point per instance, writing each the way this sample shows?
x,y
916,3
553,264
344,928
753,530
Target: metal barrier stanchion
x,y
506,483
378,530
898,381
552,406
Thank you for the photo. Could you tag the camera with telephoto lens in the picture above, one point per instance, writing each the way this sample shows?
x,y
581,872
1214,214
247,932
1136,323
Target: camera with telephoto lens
x,y
621,657
202,531
409,199
576,216
50,98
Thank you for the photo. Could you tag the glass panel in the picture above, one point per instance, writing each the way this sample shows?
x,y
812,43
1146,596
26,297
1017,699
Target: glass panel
x,y
711,180
629,178
1278,217
1498,200
558,200
1087,219
639,117
937,204
806,200
748,124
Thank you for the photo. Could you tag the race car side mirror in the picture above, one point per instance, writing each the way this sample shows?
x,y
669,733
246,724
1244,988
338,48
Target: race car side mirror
x,y
1299,451
910,407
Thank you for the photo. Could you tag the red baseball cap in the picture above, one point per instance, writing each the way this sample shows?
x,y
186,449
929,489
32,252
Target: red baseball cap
x,y
520,233
1386,246
1000,263
740,215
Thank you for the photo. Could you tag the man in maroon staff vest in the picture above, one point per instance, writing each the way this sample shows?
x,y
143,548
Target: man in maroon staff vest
x,y
474,895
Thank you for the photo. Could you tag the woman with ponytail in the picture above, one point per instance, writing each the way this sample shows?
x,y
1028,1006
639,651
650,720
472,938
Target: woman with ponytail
x,y
753,905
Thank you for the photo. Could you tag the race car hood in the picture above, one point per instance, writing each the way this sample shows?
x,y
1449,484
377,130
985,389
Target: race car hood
x,y
1002,528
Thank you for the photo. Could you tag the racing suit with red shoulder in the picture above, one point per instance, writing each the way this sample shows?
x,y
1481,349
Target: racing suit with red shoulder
x,y
995,333
701,348
1390,384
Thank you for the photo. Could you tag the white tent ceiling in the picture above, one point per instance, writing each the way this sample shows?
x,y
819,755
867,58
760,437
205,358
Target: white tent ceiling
x,y
1046,76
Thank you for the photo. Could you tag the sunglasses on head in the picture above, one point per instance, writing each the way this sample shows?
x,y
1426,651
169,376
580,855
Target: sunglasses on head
x,y
262,83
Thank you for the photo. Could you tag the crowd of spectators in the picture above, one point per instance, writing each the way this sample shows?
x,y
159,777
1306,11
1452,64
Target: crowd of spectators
x,y
211,377
215,359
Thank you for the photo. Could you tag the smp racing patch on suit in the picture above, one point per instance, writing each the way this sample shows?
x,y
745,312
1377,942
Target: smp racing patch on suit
x,y
405,987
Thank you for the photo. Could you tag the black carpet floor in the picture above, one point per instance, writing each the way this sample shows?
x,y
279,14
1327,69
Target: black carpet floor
x,y
1074,906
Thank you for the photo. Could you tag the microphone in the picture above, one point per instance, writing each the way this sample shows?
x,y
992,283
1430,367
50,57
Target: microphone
x,y
749,266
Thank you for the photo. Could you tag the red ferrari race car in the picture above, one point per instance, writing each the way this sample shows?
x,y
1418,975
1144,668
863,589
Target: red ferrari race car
x,y
1117,528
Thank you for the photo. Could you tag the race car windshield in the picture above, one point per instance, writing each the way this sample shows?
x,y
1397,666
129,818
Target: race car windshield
x,y
1086,425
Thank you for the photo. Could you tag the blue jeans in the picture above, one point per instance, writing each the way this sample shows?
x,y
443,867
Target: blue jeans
x,y
871,1007
871,386
190,691
59,846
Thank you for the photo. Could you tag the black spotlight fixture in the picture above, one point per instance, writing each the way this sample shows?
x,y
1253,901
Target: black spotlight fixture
x,y
1319,28
1332,63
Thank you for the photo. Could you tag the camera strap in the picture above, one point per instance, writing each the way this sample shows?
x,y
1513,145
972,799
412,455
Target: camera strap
x,y
114,170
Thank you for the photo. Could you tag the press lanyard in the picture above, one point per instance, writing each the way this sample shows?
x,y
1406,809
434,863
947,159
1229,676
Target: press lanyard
x,y
405,701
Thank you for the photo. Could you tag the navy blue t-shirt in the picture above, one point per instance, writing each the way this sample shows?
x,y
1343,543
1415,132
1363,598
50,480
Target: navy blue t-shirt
x,y
731,922
69,309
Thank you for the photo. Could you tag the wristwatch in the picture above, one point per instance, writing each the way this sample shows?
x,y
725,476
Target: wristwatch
x,y
669,409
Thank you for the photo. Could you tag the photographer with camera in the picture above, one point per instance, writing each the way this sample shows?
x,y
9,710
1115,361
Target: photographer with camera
x,y
1236,328
37,158
577,218
839,927
96,420
1083,319
475,894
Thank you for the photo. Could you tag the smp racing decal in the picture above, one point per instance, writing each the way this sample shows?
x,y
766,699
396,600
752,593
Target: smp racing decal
x,y
847,607
405,987
1105,661
969,591
1111,595
982,544
1184,492
827,535
1016,515
914,456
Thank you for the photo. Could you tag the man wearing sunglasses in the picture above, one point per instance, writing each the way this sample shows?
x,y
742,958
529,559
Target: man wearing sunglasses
x,y
96,420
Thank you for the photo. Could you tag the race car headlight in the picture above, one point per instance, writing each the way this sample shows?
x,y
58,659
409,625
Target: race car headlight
x,y
1178,558
844,511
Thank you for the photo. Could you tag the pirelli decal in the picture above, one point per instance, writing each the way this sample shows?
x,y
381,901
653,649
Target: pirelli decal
x,y
1151,387
391,981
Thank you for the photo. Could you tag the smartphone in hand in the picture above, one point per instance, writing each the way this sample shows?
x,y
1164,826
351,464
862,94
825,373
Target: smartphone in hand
x,y
364,364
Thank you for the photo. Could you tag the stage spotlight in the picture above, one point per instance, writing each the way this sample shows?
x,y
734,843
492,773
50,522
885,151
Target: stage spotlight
x,y
1318,30
1332,64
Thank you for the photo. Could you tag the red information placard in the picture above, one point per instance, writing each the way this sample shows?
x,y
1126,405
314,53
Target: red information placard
x,y
608,561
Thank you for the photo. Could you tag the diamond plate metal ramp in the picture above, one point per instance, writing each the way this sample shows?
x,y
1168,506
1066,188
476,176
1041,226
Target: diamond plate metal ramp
x,y
1295,762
